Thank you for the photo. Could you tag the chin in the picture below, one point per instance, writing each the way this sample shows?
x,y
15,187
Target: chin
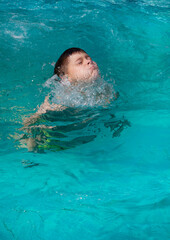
x,y
95,74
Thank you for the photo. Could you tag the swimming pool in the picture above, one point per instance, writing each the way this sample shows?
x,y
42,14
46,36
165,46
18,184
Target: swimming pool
x,y
115,186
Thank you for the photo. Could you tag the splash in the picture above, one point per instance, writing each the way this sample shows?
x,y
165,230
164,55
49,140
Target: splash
x,y
94,93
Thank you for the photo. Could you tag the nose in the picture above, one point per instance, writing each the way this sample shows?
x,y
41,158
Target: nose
x,y
89,61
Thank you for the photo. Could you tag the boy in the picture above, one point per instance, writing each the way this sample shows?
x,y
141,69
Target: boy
x,y
75,67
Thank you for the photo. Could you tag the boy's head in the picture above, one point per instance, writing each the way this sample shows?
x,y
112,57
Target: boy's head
x,y
76,65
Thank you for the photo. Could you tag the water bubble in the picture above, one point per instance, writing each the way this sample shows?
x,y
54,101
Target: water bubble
x,y
82,94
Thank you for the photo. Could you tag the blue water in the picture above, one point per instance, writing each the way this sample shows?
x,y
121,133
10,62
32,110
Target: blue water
x,y
116,186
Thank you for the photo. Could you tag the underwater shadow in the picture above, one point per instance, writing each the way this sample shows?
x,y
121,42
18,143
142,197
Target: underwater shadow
x,y
61,130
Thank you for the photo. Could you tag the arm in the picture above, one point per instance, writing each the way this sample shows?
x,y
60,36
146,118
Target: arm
x,y
45,106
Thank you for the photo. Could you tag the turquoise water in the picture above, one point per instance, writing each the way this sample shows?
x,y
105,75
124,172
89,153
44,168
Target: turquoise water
x,y
116,186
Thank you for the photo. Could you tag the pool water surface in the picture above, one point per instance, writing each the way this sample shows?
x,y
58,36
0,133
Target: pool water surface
x,y
111,180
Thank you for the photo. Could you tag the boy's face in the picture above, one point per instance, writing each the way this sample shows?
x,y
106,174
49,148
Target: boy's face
x,y
80,67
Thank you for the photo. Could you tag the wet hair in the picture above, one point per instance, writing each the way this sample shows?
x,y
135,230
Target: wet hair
x,y
62,61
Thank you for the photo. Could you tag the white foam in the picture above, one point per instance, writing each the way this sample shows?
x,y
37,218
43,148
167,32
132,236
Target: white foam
x,y
96,93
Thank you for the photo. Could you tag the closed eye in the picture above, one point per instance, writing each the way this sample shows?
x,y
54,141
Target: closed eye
x,y
79,61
